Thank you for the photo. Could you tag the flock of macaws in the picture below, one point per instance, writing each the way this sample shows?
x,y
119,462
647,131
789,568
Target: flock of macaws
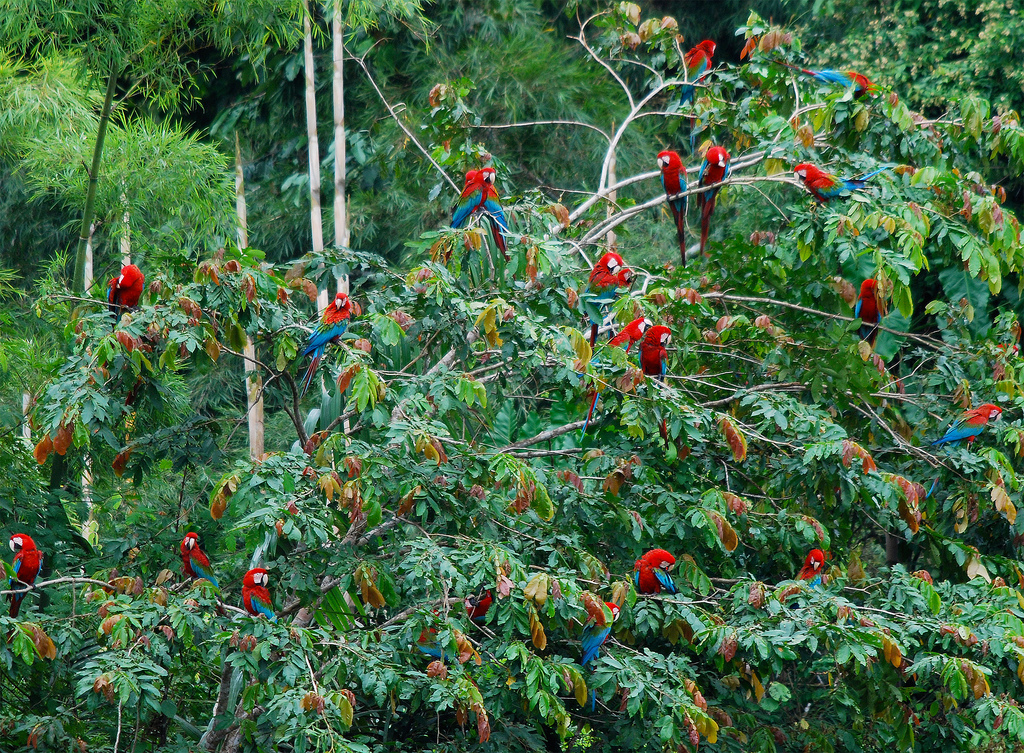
x,y
609,277
195,564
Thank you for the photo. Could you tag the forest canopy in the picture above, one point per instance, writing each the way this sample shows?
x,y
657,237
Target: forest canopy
x,y
394,376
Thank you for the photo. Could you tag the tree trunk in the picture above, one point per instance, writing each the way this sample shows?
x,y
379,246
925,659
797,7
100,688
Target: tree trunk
x,y
315,214
89,267
253,379
78,286
341,237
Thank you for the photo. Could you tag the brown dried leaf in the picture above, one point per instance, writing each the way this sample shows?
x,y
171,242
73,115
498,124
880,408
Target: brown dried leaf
x,y
737,442
537,635
43,449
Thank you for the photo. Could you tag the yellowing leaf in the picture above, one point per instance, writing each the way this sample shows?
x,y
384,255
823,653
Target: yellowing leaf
x,y
1003,504
488,318
734,437
537,635
581,346
537,589
977,570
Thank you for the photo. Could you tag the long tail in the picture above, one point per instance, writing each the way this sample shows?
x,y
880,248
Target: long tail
x,y
314,363
499,235
680,234
796,68
705,220
16,600
931,489
873,173
593,334
590,415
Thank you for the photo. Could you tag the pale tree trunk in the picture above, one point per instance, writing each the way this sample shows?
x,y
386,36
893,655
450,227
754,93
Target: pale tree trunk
x,y
613,197
126,239
88,279
26,406
315,213
253,379
341,237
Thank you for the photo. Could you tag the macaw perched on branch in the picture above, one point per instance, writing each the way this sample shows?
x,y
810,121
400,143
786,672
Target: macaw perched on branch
x,y
824,187
651,572
713,170
632,332
969,425
653,351
477,606
194,561
673,180
653,357
845,79
332,326
26,567
608,275
125,290
813,569
869,310
479,195
697,63
255,596
595,632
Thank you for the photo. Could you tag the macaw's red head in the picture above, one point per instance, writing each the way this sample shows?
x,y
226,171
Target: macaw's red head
x,y
131,278
868,288
189,543
472,177
21,542
814,562
488,175
342,305
657,337
988,411
707,47
669,161
717,156
616,267
805,171
615,609
659,558
256,578
642,325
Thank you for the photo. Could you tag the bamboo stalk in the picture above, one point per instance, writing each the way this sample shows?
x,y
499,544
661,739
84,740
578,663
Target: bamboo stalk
x,y
78,285
253,379
341,235
315,213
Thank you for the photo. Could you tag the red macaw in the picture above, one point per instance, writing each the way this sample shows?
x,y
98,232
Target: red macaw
x,y
651,572
194,561
607,276
845,79
824,186
596,632
332,326
653,356
673,180
26,567
479,195
969,425
255,596
477,606
714,169
697,62
632,332
867,310
653,352
124,291
813,568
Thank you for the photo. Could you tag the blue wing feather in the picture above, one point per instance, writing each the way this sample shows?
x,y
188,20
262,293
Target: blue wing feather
x,y
856,309
593,639
204,572
465,208
322,335
665,580
263,608
833,77
958,432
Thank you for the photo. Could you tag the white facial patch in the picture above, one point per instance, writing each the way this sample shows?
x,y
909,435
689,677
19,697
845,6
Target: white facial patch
x,y
16,544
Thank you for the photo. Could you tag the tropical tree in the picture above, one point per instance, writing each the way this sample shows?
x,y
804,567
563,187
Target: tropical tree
x,y
444,456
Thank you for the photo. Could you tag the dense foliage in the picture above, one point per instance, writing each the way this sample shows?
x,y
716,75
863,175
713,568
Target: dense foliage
x,y
439,452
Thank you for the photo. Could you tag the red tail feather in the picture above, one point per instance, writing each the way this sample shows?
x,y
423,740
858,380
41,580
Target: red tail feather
x,y
681,235
705,222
